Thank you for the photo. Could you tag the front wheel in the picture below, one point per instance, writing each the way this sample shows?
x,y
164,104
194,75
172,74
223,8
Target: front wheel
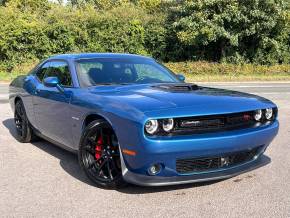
x,y
99,155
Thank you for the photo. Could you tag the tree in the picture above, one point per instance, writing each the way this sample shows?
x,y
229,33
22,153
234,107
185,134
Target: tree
x,y
28,5
3,2
232,30
99,4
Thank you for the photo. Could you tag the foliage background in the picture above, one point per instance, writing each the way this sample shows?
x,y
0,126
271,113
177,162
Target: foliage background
x,y
247,33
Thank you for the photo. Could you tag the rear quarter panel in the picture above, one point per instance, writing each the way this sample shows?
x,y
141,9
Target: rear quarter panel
x,y
19,88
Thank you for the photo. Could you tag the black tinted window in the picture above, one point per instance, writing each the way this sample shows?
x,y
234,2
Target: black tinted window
x,y
92,72
42,71
60,70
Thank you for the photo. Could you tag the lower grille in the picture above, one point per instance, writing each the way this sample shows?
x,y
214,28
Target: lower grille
x,y
195,165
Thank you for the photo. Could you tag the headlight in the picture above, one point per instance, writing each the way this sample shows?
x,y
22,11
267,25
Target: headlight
x,y
258,115
269,113
151,126
168,124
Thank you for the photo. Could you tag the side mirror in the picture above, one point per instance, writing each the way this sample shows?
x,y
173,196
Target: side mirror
x,y
53,82
181,77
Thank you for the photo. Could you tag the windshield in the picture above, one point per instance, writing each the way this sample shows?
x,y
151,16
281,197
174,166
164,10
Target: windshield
x,y
107,71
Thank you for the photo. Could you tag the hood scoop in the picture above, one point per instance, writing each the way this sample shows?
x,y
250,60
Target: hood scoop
x,y
183,87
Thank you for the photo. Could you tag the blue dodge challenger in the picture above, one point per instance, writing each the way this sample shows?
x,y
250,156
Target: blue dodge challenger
x,y
132,120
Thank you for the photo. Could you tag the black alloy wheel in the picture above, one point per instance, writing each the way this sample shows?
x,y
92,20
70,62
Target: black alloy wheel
x,y
24,131
99,155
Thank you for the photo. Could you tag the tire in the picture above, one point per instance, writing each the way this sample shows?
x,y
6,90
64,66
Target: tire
x,y
99,155
24,131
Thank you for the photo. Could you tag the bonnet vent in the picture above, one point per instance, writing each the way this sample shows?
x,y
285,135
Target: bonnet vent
x,y
184,87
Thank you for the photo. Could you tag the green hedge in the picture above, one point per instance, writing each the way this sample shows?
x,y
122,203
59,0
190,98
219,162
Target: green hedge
x,y
31,35
224,31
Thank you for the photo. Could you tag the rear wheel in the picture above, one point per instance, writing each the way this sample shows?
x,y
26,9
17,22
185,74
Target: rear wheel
x,y
99,155
23,128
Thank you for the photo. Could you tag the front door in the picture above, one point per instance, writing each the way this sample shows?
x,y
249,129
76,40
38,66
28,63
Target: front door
x,y
52,107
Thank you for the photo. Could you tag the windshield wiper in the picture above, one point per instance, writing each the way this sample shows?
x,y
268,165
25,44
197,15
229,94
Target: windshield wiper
x,y
104,84
124,84
109,84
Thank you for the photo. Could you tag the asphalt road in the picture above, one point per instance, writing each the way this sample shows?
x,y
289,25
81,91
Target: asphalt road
x,y
42,180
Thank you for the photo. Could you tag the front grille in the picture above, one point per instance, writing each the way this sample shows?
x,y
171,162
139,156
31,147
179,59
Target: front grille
x,y
215,123
196,165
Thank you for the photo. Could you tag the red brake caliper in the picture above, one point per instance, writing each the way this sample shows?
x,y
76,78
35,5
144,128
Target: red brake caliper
x,y
99,147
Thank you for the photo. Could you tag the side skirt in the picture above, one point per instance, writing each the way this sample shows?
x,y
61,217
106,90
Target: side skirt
x,y
39,134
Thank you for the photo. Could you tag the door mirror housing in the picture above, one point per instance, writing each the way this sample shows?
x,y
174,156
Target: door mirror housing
x,y
53,82
181,77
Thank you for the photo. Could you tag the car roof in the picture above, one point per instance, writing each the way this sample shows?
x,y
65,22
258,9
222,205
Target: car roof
x,y
96,55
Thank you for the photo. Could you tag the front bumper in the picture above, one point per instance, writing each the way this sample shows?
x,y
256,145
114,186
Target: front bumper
x,y
144,180
135,169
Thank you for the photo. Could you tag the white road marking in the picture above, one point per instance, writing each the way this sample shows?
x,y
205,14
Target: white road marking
x,y
254,86
270,93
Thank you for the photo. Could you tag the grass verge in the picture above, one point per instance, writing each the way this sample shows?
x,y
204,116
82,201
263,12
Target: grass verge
x,y
201,71
7,77
221,72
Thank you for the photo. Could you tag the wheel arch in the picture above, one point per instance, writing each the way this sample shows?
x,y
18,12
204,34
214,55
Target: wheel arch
x,y
91,117
95,116
17,98
14,101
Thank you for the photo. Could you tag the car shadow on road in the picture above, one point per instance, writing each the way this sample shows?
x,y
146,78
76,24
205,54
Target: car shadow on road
x,y
68,160
69,163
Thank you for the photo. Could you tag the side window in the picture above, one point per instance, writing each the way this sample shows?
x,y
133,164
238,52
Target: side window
x,y
42,71
60,70
90,72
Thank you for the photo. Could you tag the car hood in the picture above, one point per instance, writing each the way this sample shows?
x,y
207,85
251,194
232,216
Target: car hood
x,y
181,101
